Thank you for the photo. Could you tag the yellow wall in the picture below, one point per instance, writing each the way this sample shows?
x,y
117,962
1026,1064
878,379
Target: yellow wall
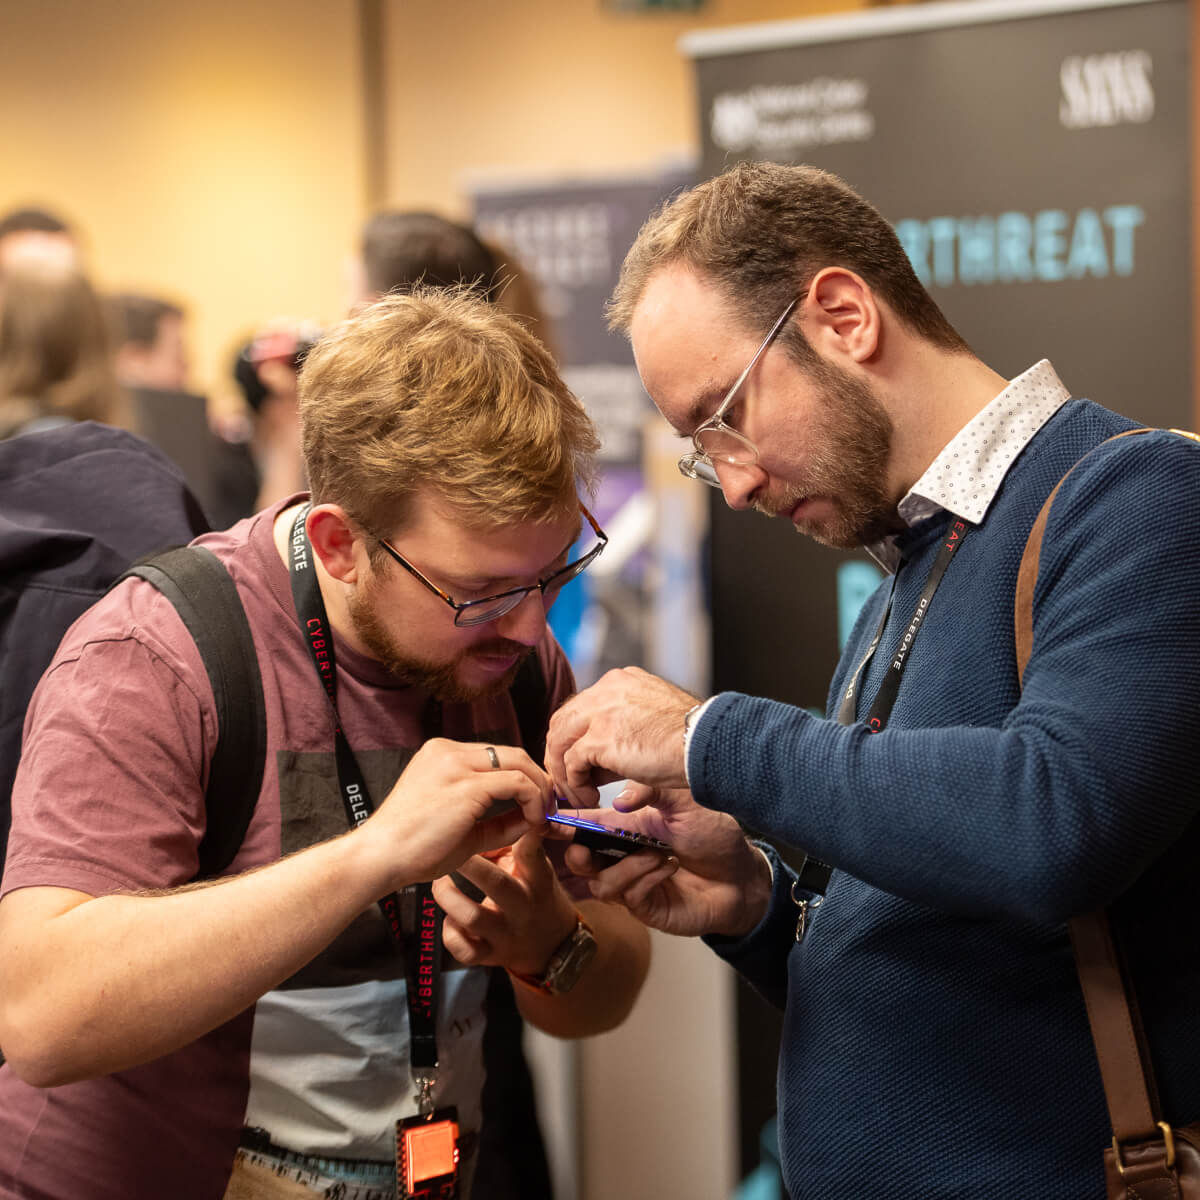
x,y
216,152
210,151
556,86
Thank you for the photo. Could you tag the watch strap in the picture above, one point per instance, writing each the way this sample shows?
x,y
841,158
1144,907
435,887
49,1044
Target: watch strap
x,y
571,956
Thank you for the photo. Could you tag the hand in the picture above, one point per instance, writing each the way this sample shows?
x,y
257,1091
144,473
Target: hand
x,y
627,725
522,918
716,882
436,816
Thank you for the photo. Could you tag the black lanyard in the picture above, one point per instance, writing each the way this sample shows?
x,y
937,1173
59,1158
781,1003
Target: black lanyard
x,y
885,700
814,875
423,953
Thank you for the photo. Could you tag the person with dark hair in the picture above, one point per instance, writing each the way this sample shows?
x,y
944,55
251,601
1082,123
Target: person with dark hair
x,y
307,1023
151,362
403,248
151,342
55,351
36,233
969,803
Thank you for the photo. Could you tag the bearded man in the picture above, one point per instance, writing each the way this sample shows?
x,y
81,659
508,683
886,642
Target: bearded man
x,y
292,1027
936,1042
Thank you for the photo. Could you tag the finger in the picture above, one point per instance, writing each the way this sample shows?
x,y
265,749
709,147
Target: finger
x,y
581,862
638,893
535,801
633,796
577,782
560,736
497,833
529,857
611,883
454,902
485,757
492,880
467,950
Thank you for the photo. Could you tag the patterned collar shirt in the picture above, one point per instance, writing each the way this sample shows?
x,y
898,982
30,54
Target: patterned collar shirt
x,y
966,475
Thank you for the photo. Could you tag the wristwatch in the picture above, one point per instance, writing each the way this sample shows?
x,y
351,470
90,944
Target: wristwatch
x,y
567,963
689,718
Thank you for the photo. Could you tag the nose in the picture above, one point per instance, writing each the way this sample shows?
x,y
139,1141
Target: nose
x,y
739,482
527,622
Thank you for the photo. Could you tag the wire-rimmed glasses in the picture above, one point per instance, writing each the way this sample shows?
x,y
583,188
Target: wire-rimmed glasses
x,y
717,441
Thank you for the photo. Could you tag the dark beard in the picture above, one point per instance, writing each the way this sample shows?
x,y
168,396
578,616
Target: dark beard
x,y
440,680
850,467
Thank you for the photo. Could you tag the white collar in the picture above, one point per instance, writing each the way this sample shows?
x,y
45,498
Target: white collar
x,y
965,477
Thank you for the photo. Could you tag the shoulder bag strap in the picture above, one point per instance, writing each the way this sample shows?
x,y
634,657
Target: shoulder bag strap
x,y
1116,1027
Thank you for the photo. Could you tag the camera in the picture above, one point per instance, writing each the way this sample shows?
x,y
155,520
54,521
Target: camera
x,y
285,344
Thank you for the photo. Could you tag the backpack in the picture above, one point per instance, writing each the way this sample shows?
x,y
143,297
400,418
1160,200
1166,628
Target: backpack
x,y
78,504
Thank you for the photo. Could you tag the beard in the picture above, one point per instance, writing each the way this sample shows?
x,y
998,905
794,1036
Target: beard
x,y
442,680
847,464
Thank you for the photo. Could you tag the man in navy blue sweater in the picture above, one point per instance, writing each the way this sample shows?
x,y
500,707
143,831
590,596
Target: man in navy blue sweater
x,y
935,1042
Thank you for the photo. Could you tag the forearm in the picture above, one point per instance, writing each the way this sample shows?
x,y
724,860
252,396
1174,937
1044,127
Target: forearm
x,y
605,993
99,984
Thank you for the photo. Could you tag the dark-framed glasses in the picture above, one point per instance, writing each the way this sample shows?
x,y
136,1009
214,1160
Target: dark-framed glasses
x,y
715,440
491,608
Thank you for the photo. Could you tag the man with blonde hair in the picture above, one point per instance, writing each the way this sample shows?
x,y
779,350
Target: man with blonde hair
x,y
935,1039
297,1013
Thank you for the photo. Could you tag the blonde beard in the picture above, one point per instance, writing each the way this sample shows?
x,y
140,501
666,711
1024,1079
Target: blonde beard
x,y
440,680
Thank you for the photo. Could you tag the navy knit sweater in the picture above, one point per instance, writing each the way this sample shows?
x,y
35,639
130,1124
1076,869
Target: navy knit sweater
x,y
935,1041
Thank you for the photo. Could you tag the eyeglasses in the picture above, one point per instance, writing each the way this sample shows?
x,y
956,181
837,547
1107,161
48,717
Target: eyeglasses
x,y
491,608
716,441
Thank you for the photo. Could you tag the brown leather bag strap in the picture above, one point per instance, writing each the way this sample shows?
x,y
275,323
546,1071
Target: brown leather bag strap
x,y
1116,1027
1028,570
1128,1077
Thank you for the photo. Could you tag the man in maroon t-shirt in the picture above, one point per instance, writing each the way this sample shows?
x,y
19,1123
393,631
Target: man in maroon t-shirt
x,y
284,1017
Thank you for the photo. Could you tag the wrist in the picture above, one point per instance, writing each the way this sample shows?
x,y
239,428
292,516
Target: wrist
x,y
534,957
754,896
567,962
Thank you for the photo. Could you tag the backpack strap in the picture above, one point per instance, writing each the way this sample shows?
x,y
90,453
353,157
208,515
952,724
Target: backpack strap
x,y
200,588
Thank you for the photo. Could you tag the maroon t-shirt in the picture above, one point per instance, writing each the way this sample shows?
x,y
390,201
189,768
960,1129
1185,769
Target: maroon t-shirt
x,y
109,797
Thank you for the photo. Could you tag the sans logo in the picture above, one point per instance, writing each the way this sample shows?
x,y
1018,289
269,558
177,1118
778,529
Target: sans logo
x,y
1106,89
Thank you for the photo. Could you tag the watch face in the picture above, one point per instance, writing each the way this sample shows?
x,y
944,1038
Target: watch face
x,y
570,960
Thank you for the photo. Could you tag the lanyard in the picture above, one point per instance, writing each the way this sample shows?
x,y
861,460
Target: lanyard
x,y
422,952
814,875
885,700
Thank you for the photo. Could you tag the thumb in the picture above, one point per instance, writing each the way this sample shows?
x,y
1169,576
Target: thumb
x,y
529,856
637,795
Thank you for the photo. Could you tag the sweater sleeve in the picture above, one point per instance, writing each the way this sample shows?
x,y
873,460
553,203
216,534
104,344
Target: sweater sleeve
x,y
1060,807
761,957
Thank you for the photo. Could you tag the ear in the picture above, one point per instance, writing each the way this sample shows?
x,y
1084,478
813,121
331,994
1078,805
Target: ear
x,y
842,315
336,542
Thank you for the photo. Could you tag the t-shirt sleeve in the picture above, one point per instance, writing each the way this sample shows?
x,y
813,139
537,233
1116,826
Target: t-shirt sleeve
x,y
109,794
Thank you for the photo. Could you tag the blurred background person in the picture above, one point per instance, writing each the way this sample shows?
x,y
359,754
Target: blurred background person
x,y
397,250
400,248
151,342
36,233
151,360
55,351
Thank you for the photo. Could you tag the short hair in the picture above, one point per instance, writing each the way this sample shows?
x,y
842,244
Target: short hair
x,y
762,231
55,351
32,220
403,249
135,317
440,392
